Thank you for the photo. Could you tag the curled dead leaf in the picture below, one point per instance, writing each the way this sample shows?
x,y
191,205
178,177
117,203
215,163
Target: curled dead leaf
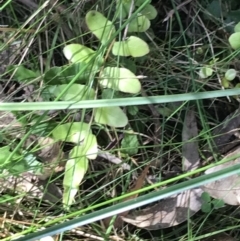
x,y
227,189
29,184
112,158
168,212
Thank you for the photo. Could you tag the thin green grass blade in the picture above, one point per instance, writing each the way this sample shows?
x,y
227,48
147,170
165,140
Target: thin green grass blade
x,y
61,105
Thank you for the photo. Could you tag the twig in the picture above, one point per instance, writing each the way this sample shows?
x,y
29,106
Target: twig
x,y
170,14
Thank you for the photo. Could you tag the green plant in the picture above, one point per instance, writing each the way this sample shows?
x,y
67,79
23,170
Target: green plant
x,y
234,38
79,80
226,75
209,203
150,137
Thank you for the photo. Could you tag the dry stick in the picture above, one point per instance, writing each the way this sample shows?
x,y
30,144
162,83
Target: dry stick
x,y
129,15
170,14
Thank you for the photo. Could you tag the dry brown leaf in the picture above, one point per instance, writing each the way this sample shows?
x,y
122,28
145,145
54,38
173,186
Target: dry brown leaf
x,y
50,149
168,212
190,154
110,157
29,184
9,124
227,189
138,185
7,118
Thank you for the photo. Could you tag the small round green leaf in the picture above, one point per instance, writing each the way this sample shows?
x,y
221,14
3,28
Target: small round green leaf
x,y
149,11
139,24
130,144
79,53
230,74
206,207
137,46
100,26
200,51
90,146
120,79
234,40
75,170
206,197
205,72
133,46
74,132
75,92
121,49
225,83
112,116
237,27
218,203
